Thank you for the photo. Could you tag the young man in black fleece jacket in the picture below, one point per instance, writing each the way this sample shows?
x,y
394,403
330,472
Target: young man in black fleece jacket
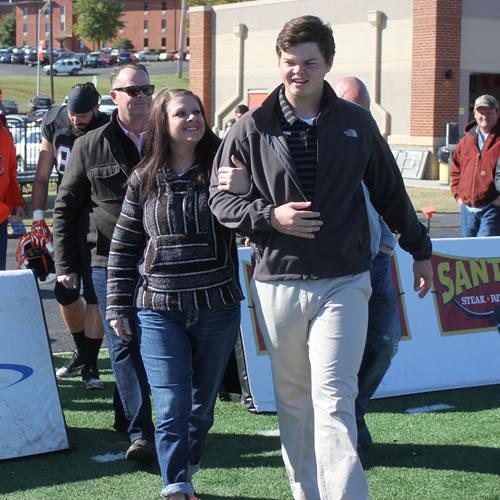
x,y
308,152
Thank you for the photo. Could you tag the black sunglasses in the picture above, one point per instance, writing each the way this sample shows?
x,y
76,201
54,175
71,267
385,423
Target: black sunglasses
x,y
135,90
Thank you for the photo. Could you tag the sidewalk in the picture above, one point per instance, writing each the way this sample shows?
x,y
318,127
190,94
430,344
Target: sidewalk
x,y
421,183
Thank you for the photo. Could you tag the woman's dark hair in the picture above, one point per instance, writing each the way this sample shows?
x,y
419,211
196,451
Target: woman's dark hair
x,y
157,143
307,29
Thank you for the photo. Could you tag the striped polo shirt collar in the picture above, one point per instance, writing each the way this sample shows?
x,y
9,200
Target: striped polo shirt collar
x,y
290,117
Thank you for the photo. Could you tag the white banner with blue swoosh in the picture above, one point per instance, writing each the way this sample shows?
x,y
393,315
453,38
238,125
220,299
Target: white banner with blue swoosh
x,y
31,417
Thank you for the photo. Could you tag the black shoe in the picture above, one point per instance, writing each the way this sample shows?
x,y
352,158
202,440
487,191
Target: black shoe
x,y
72,367
364,437
90,377
142,451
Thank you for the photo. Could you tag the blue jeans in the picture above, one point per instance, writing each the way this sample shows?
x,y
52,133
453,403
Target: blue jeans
x,y
185,355
130,376
384,332
3,245
483,223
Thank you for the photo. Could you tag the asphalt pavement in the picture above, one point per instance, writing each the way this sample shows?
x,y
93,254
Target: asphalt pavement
x,y
154,68
442,226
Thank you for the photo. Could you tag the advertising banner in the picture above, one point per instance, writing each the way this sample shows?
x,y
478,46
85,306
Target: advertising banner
x,y
31,417
450,338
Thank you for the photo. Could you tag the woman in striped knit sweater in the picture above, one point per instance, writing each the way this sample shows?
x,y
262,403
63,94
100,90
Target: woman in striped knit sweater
x,y
176,266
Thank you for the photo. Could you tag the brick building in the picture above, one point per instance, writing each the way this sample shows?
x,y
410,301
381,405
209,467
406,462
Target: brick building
x,y
150,24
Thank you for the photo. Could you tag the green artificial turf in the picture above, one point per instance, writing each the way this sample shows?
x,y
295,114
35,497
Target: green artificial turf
x,y
450,454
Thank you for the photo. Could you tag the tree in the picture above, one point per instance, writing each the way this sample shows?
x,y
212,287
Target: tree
x,y
123,44
97,20
8,30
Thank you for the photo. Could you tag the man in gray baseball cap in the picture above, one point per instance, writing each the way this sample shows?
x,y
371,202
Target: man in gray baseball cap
x,y
473,171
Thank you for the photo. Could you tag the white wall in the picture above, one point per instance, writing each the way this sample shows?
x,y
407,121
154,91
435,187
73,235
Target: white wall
x,y
354,38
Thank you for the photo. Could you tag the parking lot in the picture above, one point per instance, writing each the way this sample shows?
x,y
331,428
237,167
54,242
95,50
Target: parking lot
x,y
154,68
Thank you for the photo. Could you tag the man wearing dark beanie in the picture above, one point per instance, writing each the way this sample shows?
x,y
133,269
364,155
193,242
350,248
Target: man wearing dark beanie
x,y
61,126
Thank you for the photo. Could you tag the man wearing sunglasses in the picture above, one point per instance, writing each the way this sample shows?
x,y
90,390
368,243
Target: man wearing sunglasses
x,y
60,128
96,177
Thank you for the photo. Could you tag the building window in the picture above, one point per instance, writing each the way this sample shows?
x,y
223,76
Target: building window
x,y
25,28
164,5
164,25
47,27
163,43
146,8
146,25
146,43
62,10
62,26
26,11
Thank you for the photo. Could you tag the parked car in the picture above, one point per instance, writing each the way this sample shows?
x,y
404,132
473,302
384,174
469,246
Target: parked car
x,y
94,60
61,66
28,149
41,102
46,56
81,56
27,137
9,106
146,55
30,57
175,55
167,55
125,57
17,126
37,115
106,104
17,56
63,54
108,58
5,56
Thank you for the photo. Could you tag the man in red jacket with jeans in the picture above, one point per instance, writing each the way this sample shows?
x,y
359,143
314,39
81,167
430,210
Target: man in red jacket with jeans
x,y
473,171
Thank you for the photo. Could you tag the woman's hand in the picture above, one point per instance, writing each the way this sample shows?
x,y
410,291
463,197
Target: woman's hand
x,y
235,179
121,326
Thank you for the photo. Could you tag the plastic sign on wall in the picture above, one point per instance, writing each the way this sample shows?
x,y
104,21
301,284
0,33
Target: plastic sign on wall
x,y
450,339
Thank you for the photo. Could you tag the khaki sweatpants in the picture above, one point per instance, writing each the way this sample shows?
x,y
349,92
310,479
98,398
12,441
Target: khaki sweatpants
x,y
315,332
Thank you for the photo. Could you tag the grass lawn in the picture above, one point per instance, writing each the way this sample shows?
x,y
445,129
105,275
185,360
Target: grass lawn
x,y
453,454
440,198
22,89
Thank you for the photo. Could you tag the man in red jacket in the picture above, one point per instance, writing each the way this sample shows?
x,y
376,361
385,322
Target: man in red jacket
x,y
473,171
11,200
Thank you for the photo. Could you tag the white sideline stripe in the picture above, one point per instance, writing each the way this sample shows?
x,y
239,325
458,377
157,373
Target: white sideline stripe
x,y
271,433
109,457
426,409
